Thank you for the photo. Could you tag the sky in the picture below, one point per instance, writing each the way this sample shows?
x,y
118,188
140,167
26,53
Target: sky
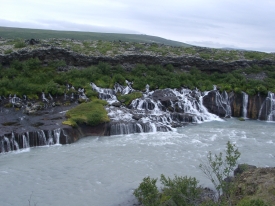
x,y
243,24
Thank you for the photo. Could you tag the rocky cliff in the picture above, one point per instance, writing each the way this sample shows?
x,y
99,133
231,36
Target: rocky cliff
x,y
185,62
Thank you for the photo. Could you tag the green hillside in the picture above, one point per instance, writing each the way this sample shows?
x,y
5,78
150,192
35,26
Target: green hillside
x,y
13,33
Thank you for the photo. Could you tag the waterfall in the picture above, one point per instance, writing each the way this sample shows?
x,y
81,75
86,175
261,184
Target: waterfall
x,y
31,139
66,135
14,144
140,128
105,94
245,103
81,93
267,110
124,128
14,100
271,115
44,98
158,110
50,138
57,135
42,137
153,127
8,146
26,140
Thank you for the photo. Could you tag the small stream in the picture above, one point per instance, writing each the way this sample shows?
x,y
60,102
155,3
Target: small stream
x,y
104,171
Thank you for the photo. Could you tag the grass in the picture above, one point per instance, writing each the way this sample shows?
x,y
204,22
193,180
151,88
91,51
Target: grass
x,y
91,113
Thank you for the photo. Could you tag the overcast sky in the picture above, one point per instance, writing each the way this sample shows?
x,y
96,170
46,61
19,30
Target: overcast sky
x,y
247,24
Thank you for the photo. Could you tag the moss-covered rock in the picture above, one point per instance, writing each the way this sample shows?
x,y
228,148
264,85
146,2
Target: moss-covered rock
x,y
128,98
91,113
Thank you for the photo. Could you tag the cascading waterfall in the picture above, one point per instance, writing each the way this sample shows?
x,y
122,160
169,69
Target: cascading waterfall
x,y
42,138
14,144
245,103
271,115
268,108
44,97
150,113
8,146
122,89
191,103
50,138
24,141
222,101
105,94
57,135
14,100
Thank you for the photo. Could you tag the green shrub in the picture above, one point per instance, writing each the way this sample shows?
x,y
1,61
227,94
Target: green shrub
x,y
182,191
19,44
147,193
8,51
218,168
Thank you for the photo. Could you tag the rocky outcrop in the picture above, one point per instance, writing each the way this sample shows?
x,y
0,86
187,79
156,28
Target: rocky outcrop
x,y
46,54
255,183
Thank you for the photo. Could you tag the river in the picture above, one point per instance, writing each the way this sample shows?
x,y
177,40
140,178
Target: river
x,y
104,171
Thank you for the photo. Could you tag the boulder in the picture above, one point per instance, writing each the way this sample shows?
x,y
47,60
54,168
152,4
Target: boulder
x,y
243,167
116,104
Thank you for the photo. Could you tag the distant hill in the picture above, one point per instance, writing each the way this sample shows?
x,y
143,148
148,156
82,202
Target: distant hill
x,y
13,33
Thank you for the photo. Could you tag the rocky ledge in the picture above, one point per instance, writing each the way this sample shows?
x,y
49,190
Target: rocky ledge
x,y
184,62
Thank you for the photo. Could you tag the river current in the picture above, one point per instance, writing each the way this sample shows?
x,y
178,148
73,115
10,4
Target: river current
x,y
104,171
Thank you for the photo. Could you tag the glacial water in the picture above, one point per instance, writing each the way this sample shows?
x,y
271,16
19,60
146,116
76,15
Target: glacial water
x,y
104,171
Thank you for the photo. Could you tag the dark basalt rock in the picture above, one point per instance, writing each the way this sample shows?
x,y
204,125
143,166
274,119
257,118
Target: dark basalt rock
x,y
32,41
236,103
46,54
254,106
116,104
165,96
136,117
210,102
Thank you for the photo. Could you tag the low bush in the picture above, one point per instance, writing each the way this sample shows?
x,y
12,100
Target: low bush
x,y
19,44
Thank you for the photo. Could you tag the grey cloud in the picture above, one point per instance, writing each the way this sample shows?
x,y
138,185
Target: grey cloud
x,y
246,23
